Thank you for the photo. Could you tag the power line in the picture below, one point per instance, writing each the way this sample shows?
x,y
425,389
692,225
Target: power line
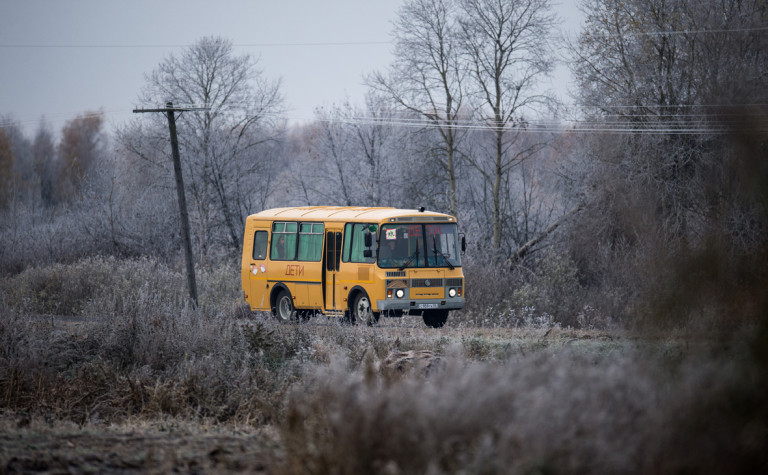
x,y
340,43
692,32
693,124
555,127
663,106
241,45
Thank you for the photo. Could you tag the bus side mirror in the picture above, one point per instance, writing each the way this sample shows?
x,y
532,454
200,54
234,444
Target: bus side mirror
x,y
463,244
368,241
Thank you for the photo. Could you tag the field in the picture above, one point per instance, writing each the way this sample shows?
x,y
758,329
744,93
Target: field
x,y
161,443
104,368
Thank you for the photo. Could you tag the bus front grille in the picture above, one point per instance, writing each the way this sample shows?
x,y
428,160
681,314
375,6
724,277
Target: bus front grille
x,y
426,282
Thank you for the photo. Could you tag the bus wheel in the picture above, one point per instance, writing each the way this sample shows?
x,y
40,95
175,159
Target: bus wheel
x,y
284,310
362,312
435,318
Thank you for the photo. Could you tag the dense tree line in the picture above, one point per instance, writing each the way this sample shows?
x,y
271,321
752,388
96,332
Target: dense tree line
x,y
671,103
685,83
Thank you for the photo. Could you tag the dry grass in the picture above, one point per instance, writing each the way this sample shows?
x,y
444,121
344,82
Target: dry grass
x,y
587,410
528,397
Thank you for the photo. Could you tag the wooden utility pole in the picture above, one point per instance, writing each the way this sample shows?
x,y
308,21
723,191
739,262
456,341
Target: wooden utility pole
x,y
170,111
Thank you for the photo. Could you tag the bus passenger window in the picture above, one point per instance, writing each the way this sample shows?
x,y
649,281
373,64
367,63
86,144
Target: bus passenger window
x,y
260,245
311,242
283,241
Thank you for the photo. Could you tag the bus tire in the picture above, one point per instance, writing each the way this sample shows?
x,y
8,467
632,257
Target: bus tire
x,y
435,318
284,310
361,310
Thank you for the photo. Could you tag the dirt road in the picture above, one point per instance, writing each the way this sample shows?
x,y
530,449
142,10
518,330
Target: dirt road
x,y
37,447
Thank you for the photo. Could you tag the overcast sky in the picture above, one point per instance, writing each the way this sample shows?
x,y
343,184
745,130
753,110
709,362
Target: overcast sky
x,y
60,58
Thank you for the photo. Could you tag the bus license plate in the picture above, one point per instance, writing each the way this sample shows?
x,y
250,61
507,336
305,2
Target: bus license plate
x,y
427,305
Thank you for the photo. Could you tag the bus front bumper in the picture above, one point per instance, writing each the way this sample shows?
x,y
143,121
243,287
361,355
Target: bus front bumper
x,y
421,304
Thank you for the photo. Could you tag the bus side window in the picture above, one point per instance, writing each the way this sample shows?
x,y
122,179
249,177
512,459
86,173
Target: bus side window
x,y
347,242
284,241
354,243
311,241
260,245
358,244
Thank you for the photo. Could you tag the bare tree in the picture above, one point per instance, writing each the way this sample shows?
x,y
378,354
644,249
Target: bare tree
x,y
506,44
220,147
351,155
663,80
43,160
664,70
331,151
427,77
379,145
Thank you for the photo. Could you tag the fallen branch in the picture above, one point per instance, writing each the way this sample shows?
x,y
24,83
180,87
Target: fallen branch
x,y
523,250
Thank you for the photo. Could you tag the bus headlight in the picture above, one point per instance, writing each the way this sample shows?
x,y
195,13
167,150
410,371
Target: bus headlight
x,y
452,293
399,293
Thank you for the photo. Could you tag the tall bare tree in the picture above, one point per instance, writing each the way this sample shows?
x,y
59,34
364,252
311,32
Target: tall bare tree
x,y
507,46
427,76
220,147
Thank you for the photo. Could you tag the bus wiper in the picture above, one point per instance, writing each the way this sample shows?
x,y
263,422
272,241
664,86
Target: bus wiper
x,y
411,257
440,253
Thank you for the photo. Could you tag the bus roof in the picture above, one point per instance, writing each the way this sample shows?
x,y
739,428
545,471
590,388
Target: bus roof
x,y
350,213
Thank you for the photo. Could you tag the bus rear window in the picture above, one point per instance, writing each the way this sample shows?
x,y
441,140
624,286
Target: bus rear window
x,y
260,245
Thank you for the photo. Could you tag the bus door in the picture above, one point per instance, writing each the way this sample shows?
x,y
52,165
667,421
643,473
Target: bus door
x,y
255,255
332,259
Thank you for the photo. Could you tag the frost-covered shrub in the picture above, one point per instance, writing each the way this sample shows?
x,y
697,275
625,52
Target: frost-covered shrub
x,y
103,286
547,286
547,413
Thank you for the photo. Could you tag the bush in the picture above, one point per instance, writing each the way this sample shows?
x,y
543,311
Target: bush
x,y
160,361
140,348
102,286
541,289
546,413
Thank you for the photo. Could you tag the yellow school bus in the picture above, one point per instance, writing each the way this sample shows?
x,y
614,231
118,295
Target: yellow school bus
x,y
353,263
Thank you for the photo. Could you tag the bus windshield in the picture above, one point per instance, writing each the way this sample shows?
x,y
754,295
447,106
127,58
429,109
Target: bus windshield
x,y
419,245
